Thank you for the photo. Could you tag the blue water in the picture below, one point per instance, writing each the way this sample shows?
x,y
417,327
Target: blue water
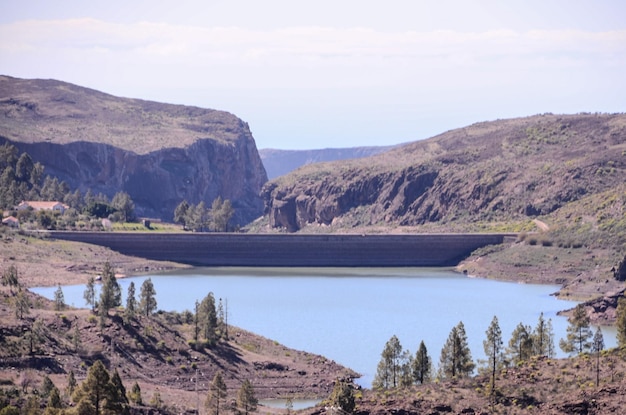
x,y
348,315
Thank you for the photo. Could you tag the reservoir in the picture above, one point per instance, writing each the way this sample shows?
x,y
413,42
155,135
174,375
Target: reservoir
x,y
348,314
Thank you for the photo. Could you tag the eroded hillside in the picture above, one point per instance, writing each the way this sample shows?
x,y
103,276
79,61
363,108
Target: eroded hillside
x,y
501,171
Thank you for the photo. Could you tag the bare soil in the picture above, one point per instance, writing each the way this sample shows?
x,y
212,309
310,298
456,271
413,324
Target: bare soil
x,y
580,274
538,386
154,352
45,263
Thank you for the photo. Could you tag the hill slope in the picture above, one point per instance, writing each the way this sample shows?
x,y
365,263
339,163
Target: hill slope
x,y
153,351
506,170
280,162
158,153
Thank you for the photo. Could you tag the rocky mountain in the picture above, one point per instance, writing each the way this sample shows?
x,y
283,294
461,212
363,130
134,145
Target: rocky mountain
x,y
158,153
280,162
505,170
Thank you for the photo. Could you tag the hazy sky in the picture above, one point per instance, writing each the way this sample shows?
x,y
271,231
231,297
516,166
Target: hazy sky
x,y
315,74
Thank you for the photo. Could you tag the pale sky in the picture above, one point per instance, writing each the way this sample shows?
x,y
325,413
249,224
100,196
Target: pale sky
x,y
317,74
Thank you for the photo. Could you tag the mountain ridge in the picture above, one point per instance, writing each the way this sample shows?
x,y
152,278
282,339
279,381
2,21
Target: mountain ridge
x,y
505,170
280,162
160,154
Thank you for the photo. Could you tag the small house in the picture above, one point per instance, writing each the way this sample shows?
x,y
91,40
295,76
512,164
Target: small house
x,y
11,222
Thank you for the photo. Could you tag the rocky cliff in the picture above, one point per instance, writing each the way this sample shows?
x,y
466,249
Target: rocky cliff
x,y
504,170
158,153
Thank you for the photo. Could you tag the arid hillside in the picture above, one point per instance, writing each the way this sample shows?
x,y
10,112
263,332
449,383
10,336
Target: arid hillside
x,y
155,352
160,154
505,170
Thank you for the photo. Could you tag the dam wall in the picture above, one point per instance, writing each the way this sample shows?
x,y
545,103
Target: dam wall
x,y
291,250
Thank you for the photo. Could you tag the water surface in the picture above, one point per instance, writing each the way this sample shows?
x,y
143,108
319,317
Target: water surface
x,y
349,314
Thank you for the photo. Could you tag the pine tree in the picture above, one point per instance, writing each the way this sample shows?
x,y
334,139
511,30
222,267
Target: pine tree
x,y
99,393
493,349
222,322
124,205
54,401
550,352
422,365
456,358
405,379
111,293
147,298
597,347
131,302
208,318
46,386
10,278
76,340
35,336
389,368
539,336
521,344
246,399
32,406
578,332
156,400
118,393
135,394
180,213
197,218
59,299
24,167
620,322
221,213
342,397
90,293
196,322
217,394
71,383
22,304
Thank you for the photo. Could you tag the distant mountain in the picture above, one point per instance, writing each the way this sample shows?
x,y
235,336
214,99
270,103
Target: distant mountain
x,y
505,171
280,162
158,153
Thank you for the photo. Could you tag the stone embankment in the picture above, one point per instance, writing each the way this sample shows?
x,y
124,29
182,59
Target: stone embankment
x,y
292,250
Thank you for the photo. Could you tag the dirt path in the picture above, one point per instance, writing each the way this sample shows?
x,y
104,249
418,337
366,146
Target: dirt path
x,y
541,225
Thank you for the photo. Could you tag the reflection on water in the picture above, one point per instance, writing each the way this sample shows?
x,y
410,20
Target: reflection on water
x,y
284,403
348,314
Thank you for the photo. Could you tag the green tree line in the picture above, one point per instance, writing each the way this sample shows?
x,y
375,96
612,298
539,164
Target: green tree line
x,y
199,218
23,179
400,368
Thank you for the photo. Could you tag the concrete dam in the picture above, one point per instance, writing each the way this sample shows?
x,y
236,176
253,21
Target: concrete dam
x,y
291,250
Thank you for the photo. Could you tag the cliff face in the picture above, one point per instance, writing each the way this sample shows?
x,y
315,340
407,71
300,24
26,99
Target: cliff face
x,y
505,170
158,153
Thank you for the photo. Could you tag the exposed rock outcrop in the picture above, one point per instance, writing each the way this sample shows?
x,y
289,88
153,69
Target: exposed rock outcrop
x,y
620,272
158,153
602,310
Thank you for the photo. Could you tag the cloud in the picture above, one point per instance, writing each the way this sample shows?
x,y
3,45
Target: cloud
x,y
172,56
296,44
